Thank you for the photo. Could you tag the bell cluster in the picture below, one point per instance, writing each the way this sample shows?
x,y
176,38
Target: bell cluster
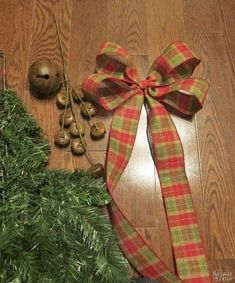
x,y
46,80
76,127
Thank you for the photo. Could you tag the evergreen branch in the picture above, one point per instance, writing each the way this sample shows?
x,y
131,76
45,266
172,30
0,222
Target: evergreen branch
x,y
52,228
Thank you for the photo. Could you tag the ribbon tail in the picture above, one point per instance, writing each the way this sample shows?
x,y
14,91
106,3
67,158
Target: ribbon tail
x,y
137,251
122,138
121,141
188,249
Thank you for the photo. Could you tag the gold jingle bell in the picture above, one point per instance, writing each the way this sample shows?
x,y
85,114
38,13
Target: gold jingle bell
x,y
77,129
78,147
98,130
66,118
62,99
45,78
97,170
62,138
88,109
78,93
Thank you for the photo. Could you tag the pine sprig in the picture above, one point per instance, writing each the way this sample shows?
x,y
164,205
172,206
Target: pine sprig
x,y
52,227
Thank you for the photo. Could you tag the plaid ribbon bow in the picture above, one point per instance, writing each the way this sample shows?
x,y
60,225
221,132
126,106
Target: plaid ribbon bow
x,y
117,86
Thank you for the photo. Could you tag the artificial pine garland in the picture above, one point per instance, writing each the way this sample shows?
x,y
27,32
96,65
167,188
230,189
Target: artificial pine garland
x,y
52,228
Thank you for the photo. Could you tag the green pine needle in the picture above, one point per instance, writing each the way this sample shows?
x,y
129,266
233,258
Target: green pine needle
x,y
52,226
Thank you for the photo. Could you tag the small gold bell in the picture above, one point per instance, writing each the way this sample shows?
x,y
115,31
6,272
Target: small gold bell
x,y
88,109
97,170
78,93
78,147
66,118
62,98
98,130
77,129
62,138
45,78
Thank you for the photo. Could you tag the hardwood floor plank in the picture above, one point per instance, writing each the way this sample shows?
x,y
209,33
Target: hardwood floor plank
x,y
223,270
16,19
215,150
127,24
44,43
202,16
164,25
228,12
88,31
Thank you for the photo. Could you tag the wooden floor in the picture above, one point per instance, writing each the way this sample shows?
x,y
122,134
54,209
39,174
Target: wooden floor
x,y
145,28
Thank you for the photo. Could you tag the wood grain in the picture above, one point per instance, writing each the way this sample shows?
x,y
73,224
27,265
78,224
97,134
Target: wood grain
x,y
202,16
127,25
228,12
223,270
15,30
164,25
216,167
88,31
216,68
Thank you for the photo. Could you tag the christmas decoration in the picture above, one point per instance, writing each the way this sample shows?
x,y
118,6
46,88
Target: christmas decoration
x,y
67,118
116,86
78,147
62,99
62,138
98,130
66,100
77,129
88,110
45,78
52,228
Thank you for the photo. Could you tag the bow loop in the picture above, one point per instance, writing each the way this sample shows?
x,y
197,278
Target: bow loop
x,y
185,96
109,92
168,81
176,62
114,60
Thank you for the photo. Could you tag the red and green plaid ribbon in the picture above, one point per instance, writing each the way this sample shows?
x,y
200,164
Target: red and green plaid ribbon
x,y
169,85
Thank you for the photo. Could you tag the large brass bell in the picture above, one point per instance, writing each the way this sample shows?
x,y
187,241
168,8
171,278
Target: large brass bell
x,y
45,78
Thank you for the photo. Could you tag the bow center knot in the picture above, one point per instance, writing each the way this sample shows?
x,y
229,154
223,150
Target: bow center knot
x,y
142,87
146,83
